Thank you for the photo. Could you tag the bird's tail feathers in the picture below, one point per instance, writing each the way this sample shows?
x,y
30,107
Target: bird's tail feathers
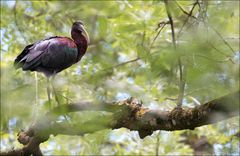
x,y
18,61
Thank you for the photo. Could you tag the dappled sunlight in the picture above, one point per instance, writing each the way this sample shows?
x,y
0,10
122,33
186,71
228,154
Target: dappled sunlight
x,y
135,54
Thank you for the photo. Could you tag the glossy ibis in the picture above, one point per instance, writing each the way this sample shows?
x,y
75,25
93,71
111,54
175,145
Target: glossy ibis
x,y
54,54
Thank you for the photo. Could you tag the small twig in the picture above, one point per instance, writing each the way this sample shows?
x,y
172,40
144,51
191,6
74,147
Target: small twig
x,y
198,90
196,102
229,57
171,24
215,30
217,49
185,22
56,97
161,25
121,64
206,57
126,62
55,94
224,41
185,12
16,22
144,35
182,80
189,93
68,99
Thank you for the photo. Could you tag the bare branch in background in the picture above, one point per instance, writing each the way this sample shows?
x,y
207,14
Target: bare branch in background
x,y
224,41
185,12
229,58
16,22
208,25
121,64
181,72
161,25
189,15
204,10
211,59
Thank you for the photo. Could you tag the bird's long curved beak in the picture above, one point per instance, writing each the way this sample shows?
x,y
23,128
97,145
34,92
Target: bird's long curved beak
x,y
85,34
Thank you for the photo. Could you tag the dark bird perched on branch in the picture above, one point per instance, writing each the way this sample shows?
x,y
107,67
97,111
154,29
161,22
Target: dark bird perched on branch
x,y
54,54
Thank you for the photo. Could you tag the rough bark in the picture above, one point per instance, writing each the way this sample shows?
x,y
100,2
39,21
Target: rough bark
x,y
129,114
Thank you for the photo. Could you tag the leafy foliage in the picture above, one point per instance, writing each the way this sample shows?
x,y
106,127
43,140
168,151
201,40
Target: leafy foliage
x,y
131,54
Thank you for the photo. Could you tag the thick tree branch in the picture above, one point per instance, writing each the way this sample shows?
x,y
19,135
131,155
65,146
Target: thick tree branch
x,y
129,114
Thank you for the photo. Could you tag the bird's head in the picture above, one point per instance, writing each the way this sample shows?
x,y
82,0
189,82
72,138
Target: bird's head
x,y
78,28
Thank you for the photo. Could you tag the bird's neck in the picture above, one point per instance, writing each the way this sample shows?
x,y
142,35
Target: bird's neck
x,y
82,47
81,43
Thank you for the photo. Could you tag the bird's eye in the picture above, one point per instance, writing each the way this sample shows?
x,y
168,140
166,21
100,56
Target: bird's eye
x,y
79,30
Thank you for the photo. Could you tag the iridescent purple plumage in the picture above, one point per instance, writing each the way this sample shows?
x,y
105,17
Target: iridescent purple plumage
x,y
54,54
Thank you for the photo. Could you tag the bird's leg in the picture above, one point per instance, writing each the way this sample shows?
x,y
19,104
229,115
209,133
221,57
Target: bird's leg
x,y
56,97
35,108
48,92
55,92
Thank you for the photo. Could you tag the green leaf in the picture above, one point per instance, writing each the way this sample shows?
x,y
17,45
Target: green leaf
x,y
103,25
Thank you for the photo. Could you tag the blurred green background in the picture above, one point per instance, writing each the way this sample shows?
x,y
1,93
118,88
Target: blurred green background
x,y
126,58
